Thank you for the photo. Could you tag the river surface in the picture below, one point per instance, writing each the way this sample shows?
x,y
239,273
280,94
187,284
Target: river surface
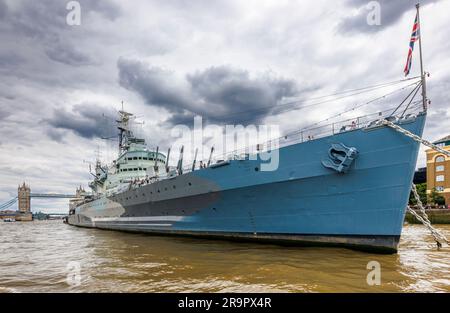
x,y
49,256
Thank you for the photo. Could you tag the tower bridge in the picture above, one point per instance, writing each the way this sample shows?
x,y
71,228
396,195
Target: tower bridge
x,y
23,198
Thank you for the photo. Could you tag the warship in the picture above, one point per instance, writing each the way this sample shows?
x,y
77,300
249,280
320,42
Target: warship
x,y
342,184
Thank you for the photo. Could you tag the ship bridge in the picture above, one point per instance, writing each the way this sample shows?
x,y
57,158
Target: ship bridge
x,y
24,196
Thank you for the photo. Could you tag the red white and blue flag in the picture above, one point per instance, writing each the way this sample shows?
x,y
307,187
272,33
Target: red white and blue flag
x,y
414,37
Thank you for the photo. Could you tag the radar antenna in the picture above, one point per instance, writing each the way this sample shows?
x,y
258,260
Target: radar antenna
x,y
123,124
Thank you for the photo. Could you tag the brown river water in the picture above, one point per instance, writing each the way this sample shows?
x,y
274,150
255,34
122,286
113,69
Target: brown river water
x,y
49,256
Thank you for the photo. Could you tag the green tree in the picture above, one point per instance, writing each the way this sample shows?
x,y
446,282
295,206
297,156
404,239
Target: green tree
x,y
422,191
436,198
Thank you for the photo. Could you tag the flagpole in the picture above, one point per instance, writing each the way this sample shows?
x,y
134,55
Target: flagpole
x,y
422,73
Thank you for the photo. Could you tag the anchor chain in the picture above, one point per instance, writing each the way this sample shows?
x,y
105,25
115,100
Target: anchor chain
x,y
415,137
438,236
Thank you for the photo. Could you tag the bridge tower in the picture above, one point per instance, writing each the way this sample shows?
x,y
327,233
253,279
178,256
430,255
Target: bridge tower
x,y
23,195
24,203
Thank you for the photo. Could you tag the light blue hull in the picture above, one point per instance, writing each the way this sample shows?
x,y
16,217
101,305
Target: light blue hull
x,y
301,202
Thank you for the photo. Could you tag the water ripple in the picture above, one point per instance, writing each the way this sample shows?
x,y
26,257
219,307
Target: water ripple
x,y
34,257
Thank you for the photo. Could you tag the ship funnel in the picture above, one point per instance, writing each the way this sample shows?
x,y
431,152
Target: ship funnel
x,y
210,156
156,160
167,160
195,159
180,161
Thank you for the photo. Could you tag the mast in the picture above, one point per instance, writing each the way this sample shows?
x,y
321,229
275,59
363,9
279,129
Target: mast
x,y
422,73
124,131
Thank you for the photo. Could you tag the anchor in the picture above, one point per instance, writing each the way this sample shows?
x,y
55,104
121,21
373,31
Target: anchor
x,y
340,157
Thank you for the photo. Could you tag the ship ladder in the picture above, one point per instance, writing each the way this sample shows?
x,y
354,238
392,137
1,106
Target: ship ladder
x,y
423,218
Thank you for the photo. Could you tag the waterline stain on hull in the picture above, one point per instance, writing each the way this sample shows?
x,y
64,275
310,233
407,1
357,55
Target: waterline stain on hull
x,y
373,244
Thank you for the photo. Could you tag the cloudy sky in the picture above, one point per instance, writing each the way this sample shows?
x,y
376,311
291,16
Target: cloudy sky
x,y
232,62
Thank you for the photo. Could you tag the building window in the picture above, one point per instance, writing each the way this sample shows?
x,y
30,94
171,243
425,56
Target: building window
x,y
440,188
439,168
439,159
440,178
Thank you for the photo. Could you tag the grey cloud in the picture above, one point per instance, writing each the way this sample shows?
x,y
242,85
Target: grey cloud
x,y
44,22
219,94
391,12
234,90
3,113
9,96
86,120
67,54
108,9
3,9
156,85
55,134
35,18
10,60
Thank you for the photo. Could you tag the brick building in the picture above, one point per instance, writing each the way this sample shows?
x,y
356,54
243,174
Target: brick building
x,y
438,169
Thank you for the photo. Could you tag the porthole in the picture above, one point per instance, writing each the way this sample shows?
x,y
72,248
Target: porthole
x,y
190,184
256,169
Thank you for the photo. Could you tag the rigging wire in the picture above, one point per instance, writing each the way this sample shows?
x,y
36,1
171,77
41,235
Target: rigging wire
x,y
368,88
357,106
344,94
404,111
406,98
414,105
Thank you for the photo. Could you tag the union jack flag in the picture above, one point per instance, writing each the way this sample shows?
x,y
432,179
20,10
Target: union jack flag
x,y
414,37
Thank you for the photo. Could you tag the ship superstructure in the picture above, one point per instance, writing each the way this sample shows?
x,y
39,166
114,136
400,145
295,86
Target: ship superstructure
x,y
135,164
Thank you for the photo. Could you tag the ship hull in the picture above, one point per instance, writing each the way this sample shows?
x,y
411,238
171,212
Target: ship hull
x,y
301,202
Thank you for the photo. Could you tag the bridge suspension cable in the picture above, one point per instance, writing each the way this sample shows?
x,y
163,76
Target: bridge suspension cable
x,y
51,195
7,204
12,201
